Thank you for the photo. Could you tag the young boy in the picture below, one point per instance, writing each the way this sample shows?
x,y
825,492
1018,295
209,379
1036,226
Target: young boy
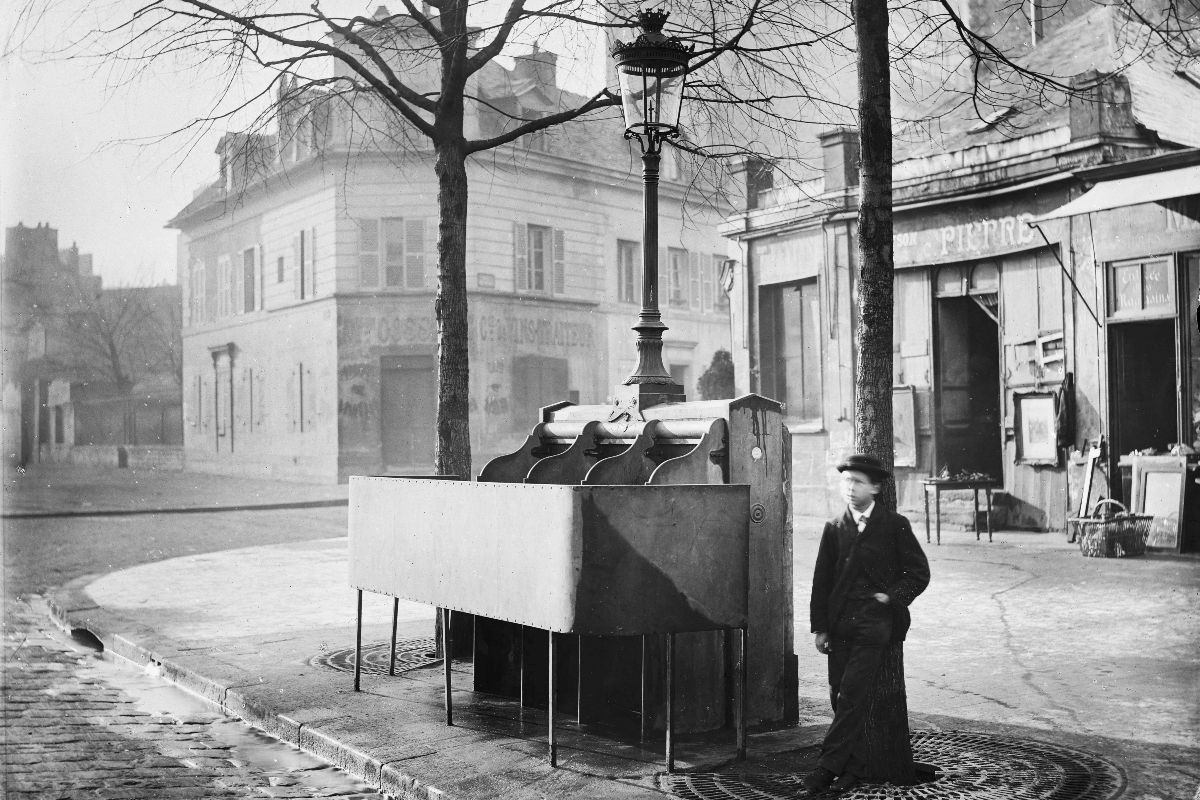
x,y
869,567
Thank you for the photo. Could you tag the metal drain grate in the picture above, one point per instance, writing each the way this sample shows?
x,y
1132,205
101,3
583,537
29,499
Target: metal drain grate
x,y
410,654
973,766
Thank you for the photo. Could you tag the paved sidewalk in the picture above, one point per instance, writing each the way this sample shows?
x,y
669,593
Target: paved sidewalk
x,y
60,489
1023,637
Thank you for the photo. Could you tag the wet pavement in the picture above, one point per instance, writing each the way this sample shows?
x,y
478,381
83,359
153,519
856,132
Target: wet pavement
x,y
81,723
1054,656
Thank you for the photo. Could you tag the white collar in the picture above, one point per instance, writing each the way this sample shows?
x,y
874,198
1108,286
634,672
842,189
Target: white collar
x,y
859,516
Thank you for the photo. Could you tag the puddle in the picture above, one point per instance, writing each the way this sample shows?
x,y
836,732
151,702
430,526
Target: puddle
x,y
279,763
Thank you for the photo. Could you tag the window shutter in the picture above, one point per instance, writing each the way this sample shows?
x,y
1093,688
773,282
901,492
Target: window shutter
x,y
694,276
706,287
520,256
414,253
236,289
297,255
312,262
368,253
560,262
262,280
666,278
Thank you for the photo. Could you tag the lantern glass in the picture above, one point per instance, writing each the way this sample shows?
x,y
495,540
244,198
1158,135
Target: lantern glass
x,y
651,95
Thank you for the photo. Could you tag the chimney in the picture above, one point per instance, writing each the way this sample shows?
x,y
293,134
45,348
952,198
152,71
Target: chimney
x,y
753,175
1101,105
540,65
839,158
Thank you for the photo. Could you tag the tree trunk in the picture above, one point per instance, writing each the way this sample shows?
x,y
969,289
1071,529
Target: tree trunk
x,y
873,380
452,455
886,731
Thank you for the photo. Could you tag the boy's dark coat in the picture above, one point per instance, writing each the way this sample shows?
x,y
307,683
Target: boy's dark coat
x,y
886,551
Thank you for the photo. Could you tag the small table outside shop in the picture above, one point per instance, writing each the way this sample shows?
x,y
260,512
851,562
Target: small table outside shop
x,y
941,484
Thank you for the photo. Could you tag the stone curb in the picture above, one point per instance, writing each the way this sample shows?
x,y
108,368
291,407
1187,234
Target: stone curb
x,y
73,608
137,512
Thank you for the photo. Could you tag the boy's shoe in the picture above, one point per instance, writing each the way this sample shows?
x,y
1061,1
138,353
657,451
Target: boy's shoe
x,y
819,779
845,782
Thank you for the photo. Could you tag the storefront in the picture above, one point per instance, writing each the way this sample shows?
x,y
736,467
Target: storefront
x,y
1137,229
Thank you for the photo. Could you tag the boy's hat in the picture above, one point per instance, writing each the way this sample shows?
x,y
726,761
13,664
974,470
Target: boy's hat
x,y
861,462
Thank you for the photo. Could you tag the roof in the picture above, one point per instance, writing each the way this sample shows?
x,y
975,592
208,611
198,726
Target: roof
x,y
1106,40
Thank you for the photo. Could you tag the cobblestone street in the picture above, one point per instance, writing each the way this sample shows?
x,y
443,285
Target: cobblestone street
x,y
73,730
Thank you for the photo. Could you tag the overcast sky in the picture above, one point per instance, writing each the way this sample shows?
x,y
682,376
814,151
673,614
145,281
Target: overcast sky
x,y
78,147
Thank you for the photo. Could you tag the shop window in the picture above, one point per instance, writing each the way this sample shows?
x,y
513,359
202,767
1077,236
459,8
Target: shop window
x,y
790,337
985,278
1141,289
950,282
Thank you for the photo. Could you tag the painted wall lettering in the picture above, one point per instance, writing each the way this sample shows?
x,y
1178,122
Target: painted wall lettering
x,y
973,238
519,330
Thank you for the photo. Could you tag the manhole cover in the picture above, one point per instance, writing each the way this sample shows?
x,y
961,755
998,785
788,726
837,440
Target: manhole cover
x,y
410,654
973,766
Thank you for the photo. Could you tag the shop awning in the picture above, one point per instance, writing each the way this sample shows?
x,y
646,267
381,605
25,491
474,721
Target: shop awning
x,y
1131,192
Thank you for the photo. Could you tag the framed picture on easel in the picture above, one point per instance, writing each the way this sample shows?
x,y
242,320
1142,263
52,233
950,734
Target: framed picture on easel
x,y
1159,483
1036,428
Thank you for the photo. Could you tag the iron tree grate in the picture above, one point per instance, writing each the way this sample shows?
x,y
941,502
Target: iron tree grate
x,y
971,766
410,654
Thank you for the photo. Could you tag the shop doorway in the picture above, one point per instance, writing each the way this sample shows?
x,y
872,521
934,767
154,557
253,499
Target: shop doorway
x,y
1142,386
967,385
408,407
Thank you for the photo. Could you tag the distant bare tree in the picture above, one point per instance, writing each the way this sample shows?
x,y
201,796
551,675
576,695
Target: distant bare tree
x,y
120,336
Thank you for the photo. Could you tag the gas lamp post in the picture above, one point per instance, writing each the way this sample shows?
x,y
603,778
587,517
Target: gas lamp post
x,y
652,69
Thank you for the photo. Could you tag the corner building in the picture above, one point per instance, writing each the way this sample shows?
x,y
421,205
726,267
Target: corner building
x,y
1020,335
309,271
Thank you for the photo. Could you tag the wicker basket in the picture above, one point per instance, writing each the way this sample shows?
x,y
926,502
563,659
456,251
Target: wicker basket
x,y
1117,536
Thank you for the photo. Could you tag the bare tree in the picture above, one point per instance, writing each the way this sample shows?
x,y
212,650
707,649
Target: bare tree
x,y
422,67
119,336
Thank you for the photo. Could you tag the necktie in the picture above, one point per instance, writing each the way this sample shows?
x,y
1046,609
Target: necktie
x,y
862,523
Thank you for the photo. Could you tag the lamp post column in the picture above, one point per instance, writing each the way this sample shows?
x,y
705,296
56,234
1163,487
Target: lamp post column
x,y
650,383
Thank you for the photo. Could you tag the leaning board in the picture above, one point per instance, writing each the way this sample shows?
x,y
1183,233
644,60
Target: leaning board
x,y
594,560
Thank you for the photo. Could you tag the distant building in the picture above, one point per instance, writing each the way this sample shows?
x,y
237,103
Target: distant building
x,y
1004,311
88,372
309,271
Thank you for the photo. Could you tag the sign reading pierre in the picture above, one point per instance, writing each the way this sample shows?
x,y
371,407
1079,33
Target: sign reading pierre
x,y
981,237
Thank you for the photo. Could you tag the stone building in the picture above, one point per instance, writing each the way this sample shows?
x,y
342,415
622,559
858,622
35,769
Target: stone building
x,y
309,271
1003,312
88,372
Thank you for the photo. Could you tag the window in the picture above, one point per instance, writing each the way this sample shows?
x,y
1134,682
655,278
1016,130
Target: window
x,y
368,253
414,254
248,279
791,340
1141,288
539,246
539,258
678,278
720,299
401,242
224,287
629,272
393,251
707,282
279,270
197,292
